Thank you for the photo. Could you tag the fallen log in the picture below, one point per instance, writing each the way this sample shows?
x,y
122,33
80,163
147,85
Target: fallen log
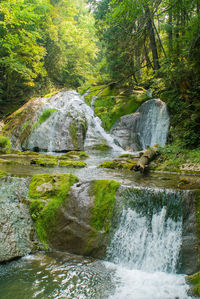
x,y
146,158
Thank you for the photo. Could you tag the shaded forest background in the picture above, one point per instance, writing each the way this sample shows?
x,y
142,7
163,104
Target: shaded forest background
x,y
155,45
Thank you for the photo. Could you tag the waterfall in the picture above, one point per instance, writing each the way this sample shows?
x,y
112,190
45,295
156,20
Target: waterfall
x,y
145,247
72,125
146,127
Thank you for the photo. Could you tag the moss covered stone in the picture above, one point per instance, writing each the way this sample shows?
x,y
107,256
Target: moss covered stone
x,y
5,144
73,133
195,282
45,162
74,155
119,164
75,164
101,147
104,192
3,174
47,193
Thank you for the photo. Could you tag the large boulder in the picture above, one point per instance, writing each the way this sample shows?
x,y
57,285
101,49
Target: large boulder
x,y
16,225
62,122
147,127
73,216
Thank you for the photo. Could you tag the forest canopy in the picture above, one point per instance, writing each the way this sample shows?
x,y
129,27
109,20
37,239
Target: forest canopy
x,y
44,43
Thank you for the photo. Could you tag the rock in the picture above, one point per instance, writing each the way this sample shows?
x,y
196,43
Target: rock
x,y
190,244
147,127
16,226
73,217
60,123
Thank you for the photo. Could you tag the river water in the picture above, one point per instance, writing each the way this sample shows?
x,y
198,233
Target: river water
x,y
142,260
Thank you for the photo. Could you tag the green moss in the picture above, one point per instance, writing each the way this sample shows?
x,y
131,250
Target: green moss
x,y
195,281
27,153
43,117
45,162
4,142
101,147
25,125
3,174
102,212
74,155
73,133
75,164
49,95
172,157
12,162
119,164
47,193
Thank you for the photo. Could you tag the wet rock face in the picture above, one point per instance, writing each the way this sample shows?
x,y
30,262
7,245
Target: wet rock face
x,y
190,242
62,122
147,127
16,226
73,227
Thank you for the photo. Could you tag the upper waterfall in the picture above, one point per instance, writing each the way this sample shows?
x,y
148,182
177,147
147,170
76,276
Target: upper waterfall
x,y
147,127
62,122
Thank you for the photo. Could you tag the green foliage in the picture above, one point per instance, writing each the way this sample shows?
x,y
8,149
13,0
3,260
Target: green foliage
x,y
47,193
45,45
102,212
172,157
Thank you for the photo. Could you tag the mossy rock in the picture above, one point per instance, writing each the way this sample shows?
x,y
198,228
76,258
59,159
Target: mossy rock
x,y
5,145
101,147
119,164
74,155
3,174
194,280
74,164
11,162
27,153
104,193
45,162
47,192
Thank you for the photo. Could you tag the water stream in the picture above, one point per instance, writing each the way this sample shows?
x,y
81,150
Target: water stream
x,y
143,257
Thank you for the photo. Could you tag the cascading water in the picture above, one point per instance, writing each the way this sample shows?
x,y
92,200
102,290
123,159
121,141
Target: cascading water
x,y
145,248
72,125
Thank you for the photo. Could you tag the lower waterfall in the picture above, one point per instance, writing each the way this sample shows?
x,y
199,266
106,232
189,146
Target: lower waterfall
x,y
142,262
145,249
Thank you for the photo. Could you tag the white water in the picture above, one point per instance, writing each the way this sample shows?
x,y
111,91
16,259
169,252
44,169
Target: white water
x,y
144,255
153,123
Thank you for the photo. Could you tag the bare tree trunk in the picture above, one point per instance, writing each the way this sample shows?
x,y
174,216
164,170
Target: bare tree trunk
x,y
170,32
152,39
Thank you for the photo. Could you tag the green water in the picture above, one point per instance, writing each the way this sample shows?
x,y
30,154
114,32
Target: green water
x,y
55,275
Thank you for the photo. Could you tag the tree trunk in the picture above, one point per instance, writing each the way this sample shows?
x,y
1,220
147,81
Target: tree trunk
x,y
170,32
152,39
146,158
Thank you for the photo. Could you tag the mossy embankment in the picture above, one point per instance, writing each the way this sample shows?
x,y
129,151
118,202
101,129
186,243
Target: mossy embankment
x,y
103,193
47,193
173,158
70,159
113,101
